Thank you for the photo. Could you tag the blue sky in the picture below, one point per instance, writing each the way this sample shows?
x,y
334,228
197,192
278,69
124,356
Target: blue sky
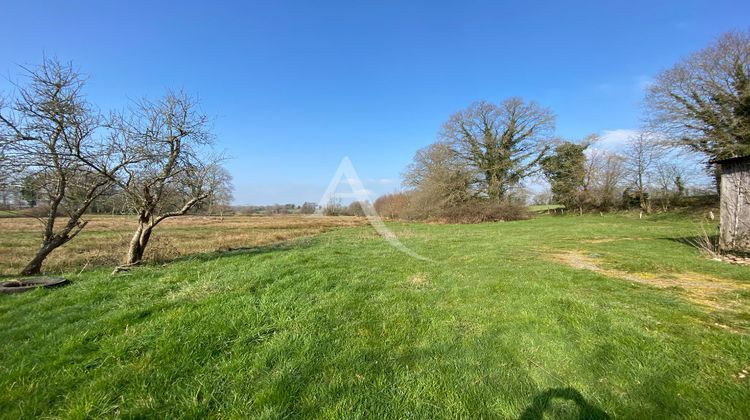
x,y
296,86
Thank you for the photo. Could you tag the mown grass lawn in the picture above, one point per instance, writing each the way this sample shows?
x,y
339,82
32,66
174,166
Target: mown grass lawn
x,y
342,325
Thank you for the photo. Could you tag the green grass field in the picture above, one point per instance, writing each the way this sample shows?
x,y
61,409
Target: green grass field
x,y
557,316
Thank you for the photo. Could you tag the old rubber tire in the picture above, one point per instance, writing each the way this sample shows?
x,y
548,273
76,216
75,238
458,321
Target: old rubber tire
x,y
24,284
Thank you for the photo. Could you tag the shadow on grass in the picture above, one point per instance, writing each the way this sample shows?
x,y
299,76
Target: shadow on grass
x,y
286,245
542,402
699,242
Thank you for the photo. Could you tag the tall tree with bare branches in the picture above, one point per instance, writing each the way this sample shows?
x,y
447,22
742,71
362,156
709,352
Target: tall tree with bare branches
x,y
46,129
604,176
640,152
703,103
437,179
170,139
503,143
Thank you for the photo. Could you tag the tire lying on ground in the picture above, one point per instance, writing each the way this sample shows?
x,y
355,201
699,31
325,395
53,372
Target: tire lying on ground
x,y
25,284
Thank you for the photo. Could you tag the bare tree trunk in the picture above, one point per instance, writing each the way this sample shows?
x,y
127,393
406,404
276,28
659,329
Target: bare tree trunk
x,y
146,224
53,241
135,251
34,267
138,243
641,198
72,228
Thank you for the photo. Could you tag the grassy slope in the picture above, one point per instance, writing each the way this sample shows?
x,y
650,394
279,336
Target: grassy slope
x,y
341,323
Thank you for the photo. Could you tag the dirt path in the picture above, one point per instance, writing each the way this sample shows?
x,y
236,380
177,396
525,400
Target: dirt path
x,y
699,288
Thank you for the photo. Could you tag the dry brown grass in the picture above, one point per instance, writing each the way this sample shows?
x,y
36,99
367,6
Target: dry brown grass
x,y
418,281
699,288
606,240
105,239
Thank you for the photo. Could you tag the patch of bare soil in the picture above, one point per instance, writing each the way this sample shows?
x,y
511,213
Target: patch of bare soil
x,y
605,240
418,281
699,288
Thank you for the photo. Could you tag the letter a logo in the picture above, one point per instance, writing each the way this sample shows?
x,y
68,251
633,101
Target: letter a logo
x,y
359,193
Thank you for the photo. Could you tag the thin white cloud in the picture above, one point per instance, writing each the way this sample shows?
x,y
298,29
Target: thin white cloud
x,y
615,140
636,86
380,181
364,192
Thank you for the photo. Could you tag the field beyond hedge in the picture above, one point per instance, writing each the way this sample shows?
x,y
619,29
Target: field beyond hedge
x,y
592,316
105,239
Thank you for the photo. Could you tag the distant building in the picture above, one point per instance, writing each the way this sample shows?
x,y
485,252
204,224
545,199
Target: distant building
x,y
735,204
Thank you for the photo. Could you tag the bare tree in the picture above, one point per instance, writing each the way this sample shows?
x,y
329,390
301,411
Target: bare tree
x,y
703,102
175,172
640,154
334,207
503,143
10,173
604,175
437,179
392,206
669,179
219,183
49,133
308,207
543,197
356,208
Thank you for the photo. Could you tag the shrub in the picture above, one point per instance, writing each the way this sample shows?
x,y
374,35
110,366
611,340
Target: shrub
x,y
334,208
392,206
355,209
37,212
480,211
416,205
